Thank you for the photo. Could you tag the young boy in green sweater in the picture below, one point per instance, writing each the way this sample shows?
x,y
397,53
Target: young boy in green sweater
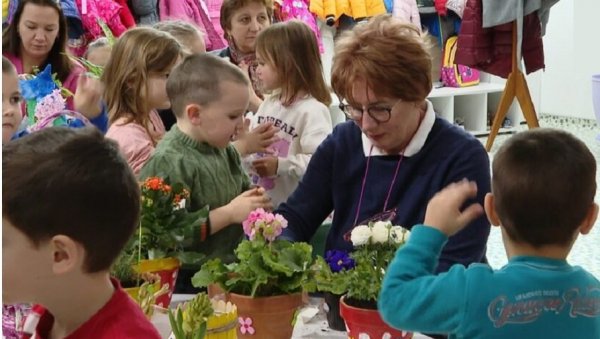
x,y
209,97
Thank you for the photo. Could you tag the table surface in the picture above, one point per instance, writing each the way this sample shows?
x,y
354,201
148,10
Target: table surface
x,y
313,327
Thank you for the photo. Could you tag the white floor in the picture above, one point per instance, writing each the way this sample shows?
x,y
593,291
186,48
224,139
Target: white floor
x,y
586,251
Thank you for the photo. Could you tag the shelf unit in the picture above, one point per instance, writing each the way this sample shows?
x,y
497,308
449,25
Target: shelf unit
x,y
471,105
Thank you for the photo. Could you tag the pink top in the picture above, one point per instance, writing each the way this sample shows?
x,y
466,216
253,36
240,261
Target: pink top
x,y
134,142
70,83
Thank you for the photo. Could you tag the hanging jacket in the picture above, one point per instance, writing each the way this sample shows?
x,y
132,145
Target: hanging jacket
x,y
214,14
125,14
190,11
490,49
408,11
298,9
107,10
331,10
146,11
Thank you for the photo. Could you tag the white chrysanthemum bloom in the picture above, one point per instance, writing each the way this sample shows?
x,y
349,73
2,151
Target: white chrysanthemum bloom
x,y
399,234
360,235
381,231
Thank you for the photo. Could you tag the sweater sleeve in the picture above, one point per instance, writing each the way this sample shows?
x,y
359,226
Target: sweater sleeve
x,y
316,128
174,167
312,200
101,121
414,299
468,246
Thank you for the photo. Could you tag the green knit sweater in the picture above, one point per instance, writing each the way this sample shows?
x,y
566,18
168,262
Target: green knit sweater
x,y
213,176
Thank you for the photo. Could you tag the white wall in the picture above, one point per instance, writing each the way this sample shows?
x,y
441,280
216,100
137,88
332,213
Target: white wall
x,y
572,55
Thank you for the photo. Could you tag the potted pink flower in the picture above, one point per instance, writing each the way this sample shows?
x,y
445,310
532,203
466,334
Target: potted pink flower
x,y
268,277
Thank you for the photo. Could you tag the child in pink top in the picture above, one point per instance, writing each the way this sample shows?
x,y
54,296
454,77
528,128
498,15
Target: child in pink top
x,y
135,80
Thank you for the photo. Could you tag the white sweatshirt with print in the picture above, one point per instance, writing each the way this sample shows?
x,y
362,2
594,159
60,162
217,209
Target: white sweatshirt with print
x,y
303,126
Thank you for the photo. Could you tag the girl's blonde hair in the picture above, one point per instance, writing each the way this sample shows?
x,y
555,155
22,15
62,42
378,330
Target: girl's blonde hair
x,y
137,53
291,48
98,43
183,31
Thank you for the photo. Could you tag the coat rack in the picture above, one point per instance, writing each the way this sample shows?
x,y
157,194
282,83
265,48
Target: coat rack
x,y
516,86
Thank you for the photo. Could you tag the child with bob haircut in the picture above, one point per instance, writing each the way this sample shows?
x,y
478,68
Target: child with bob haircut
x,y
60,256
135,79
191,40
209,97
289,65
11,101
543,188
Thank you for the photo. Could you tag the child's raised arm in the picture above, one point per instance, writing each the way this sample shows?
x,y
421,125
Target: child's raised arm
x,y
412,297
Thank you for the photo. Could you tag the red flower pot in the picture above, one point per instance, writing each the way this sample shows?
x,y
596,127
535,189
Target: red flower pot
x,y
361,322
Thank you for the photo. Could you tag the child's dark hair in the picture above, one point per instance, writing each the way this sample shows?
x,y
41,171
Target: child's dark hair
x,y
71,182
544,182
7,66
197,80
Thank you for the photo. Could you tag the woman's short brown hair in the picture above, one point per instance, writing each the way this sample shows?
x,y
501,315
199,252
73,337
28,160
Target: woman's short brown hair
x,y
389,55
229,7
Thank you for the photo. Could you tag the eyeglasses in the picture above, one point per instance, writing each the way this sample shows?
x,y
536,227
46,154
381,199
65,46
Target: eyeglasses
x,y
377,113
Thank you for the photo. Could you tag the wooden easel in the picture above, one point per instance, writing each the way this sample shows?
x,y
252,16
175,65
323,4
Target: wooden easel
x,y
516,86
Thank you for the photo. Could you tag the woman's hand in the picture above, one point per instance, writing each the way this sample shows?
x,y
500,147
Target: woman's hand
x,y
88,96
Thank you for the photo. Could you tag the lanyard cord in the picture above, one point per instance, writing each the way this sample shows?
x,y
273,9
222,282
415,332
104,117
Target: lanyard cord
x,y
364,181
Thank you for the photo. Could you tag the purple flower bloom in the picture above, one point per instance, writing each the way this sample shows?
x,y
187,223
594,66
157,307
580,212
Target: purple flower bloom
x,y
339,260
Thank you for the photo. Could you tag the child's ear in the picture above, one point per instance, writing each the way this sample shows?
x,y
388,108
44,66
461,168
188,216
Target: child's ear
x,y
193,113
590,219
68,255
490,210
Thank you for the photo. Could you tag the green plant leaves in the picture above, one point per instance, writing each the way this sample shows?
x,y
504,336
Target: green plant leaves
x,y
262,269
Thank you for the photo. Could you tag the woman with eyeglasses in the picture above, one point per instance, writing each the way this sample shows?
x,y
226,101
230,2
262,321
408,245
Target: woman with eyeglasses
x,y
394,153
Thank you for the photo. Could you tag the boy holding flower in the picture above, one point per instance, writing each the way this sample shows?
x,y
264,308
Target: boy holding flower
x,y
209,97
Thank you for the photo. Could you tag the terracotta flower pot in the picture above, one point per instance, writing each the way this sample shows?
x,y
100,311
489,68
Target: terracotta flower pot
x,y
361,322
266,317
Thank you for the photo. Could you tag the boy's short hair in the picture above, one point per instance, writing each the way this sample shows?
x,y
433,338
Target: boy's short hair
x,y
544,183
197,80
75,183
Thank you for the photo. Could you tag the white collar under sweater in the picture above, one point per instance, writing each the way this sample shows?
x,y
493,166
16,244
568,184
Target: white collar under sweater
x,y
415,144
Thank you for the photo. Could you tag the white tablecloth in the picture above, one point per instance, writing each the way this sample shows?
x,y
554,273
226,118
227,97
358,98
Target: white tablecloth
x,y
309,324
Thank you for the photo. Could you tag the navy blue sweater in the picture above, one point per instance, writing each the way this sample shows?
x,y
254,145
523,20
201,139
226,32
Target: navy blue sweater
x,y
334,177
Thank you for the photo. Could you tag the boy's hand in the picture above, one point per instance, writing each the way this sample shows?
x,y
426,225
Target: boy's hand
x,y
443,211
247,202
266,166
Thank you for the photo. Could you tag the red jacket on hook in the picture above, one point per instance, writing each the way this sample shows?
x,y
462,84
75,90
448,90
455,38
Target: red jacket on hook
x,y
490,49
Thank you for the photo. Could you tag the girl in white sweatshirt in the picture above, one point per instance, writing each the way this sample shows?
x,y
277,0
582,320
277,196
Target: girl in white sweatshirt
x,y
289,65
